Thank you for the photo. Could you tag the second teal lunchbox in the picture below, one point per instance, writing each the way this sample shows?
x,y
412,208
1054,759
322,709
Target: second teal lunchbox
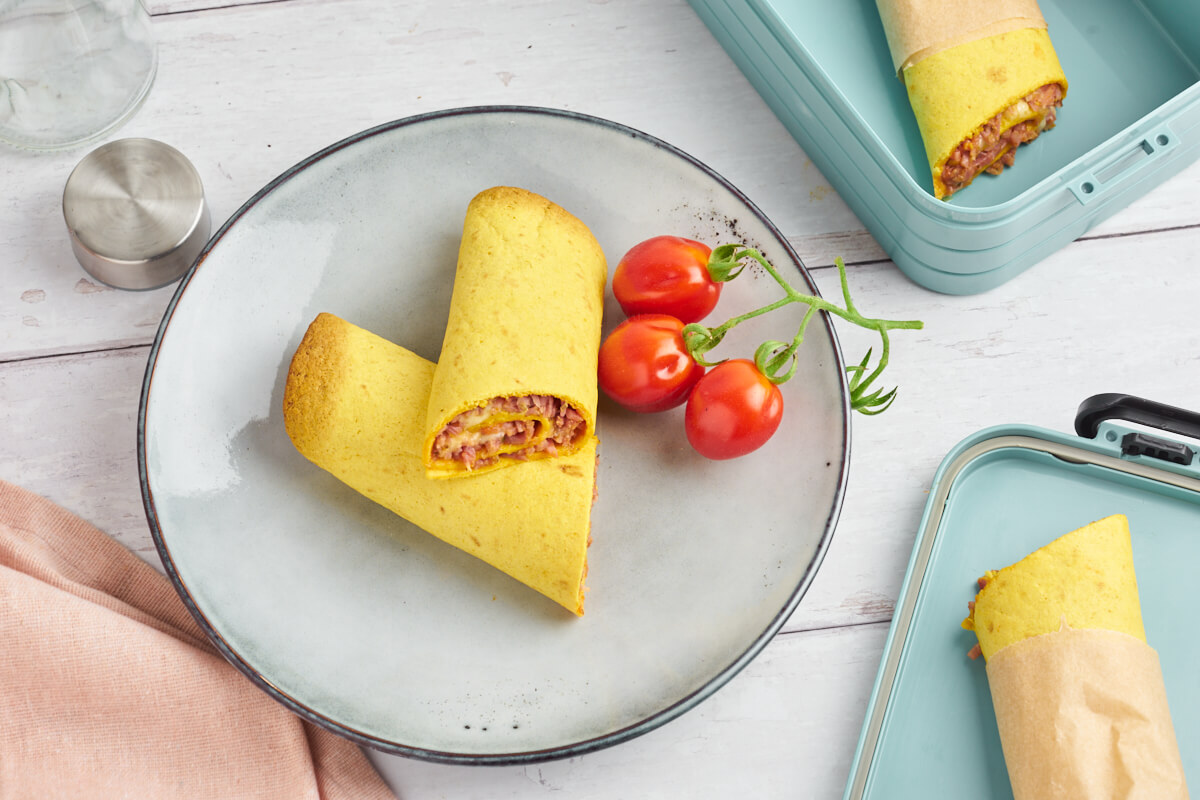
x,y
930,730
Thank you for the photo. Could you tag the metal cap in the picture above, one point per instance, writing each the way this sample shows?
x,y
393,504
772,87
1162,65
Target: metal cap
x,y
136,213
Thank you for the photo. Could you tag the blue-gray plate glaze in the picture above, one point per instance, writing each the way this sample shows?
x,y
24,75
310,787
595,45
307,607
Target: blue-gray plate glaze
x,y
357,620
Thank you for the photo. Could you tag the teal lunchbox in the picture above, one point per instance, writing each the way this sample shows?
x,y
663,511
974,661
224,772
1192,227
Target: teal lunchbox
x,y
1131,120
930,730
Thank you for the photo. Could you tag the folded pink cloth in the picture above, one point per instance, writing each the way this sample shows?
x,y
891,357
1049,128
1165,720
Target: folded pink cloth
x,y
109,689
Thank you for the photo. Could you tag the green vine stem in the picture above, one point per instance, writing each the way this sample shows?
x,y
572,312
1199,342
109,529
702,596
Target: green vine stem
x,y
777,359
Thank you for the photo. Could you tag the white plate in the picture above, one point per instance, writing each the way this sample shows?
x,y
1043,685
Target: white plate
x,y
363,623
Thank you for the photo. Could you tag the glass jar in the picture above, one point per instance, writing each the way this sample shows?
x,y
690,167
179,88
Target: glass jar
x,y
72,71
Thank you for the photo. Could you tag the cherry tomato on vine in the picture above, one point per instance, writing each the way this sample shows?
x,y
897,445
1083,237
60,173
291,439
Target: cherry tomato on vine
x,y
645,366
666,275
733,410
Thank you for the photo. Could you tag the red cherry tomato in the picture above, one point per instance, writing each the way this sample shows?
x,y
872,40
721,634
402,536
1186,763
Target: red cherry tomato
x,y
645,366
733,410
666,275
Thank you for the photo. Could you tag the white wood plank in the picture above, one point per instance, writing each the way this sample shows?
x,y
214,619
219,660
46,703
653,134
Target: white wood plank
x,y
806,693
234,83
163,7
70,434
1100,316
1028,352
785,727
247,90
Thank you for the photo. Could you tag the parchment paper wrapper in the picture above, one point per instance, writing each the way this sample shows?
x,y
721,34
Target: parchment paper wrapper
x,y
1083,716
524,320
354,405
916,29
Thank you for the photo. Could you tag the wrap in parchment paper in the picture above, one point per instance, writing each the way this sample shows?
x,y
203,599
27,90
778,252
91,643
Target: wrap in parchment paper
x,y
982,78
516,378
354,405
1078,693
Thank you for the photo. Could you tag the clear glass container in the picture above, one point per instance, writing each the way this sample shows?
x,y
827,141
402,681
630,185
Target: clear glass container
x,y
72,71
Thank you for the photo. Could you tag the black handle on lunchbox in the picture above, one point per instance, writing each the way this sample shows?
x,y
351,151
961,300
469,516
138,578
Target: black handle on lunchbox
x,y
1100,407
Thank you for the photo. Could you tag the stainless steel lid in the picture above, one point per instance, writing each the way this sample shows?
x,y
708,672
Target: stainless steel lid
x,y
136,213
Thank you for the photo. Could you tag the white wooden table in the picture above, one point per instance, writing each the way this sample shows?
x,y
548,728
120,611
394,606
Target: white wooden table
x,y
246,89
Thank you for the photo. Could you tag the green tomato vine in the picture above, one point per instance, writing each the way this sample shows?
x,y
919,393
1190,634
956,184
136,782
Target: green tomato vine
x,y
777,359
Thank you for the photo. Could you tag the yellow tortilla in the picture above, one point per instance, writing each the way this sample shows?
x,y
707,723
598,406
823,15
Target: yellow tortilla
x,y
524,318
354,405
955,91
1083,580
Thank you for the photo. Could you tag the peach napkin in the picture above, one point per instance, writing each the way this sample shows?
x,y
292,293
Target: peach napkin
x,y
108,687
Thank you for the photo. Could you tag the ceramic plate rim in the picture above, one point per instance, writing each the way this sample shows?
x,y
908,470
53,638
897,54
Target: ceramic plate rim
x,y
651,721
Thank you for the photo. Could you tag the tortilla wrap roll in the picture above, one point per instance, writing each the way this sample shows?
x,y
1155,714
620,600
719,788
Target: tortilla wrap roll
x,y
1078,693
516,378
982,78
354,404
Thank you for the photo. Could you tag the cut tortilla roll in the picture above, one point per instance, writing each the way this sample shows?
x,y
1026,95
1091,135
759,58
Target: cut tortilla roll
x,y
516,378
354,404
1078,694
982,78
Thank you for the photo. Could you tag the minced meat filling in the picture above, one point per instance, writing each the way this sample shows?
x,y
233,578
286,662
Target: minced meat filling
x,y
994,147
518,433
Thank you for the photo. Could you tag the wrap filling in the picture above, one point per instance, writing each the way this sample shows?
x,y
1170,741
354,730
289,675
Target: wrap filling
x,y
994,147
518,427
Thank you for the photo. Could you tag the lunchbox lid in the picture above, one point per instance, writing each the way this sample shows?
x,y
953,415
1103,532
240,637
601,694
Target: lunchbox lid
x,y
1131,119
929,729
